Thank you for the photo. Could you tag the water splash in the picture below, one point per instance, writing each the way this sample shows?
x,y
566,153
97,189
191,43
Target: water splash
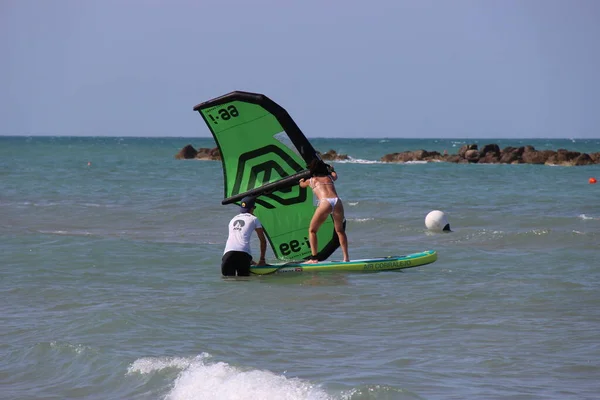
x,y
202,379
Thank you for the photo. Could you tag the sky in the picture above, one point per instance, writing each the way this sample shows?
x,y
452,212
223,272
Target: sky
x,y
351,69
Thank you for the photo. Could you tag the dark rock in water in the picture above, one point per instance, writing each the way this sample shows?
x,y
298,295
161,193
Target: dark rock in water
x,y
536,157
454,158
511,155
491,154
583,159
203,153
472,155
493,149
214,154
562,156
465,148
417,155
208,154
186,153
332,155
469,153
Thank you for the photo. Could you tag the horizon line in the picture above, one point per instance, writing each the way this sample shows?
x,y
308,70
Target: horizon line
x,y
310,138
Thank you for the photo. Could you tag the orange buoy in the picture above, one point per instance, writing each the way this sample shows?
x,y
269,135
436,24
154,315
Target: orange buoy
x,y
592,180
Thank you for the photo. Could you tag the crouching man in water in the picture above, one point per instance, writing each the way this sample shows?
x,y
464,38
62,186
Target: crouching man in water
x,y
321,183
237,257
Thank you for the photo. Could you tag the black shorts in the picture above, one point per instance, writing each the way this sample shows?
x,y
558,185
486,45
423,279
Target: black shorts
x,y
236,263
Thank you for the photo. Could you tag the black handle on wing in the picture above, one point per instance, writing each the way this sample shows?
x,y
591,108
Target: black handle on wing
x,y
286,182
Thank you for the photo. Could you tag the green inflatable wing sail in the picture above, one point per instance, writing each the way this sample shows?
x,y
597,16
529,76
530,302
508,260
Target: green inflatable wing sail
x,y
264,154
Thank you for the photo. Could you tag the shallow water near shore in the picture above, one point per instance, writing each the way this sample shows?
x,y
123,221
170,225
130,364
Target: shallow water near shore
x,y
112,289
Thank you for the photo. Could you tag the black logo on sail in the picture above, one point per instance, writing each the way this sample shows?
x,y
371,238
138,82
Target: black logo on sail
x,y
269,164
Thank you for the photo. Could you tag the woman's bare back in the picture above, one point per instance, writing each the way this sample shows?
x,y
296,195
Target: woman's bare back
x,y
323,187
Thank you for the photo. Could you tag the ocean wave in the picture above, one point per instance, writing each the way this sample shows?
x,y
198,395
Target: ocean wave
x,y
68,202
361,219
68,347
148,365
352,160
66,233
500,236
200,378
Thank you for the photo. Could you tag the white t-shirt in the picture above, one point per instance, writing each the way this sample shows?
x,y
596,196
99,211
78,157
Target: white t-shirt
x,y
240,231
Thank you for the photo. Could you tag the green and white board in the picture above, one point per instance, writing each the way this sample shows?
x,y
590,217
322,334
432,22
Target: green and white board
x,y
366,265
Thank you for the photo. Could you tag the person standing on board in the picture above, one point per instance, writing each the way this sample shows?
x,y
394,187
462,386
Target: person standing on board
x,y
237,256
321,183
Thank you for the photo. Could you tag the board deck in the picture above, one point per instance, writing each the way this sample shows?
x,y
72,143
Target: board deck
x,y
363,265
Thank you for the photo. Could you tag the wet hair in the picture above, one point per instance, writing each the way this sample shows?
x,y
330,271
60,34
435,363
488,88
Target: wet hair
x,y
318,168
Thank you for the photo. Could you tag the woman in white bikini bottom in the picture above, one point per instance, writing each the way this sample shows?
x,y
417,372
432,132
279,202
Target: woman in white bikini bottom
x,y
332,202
321,183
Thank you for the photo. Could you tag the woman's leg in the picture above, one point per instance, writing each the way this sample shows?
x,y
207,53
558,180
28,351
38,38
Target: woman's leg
x,y
317,220
338,222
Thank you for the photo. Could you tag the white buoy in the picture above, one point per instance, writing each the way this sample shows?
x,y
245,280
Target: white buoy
x,y
436,221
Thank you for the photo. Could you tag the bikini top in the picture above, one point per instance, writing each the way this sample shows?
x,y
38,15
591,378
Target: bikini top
x,y
315,184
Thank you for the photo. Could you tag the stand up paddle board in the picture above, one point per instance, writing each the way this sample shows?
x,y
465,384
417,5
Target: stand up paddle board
x,y
365,265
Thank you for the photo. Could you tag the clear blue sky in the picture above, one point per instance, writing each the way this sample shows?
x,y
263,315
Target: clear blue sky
x,y
389,68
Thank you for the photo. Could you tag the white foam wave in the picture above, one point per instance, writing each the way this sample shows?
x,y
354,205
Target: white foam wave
x,y
77,348
540,232
68,233
147,365
362,161
63,203
583,216
352,160
96,205
361,219
200,379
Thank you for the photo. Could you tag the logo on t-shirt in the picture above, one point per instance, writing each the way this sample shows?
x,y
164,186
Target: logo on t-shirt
x,y
238,224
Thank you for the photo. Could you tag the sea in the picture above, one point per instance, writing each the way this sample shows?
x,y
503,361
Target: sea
x,y
110,283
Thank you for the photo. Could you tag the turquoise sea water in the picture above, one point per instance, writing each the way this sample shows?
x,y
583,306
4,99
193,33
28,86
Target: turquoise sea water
x,y
111,288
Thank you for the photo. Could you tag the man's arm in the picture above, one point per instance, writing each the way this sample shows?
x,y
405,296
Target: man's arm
x,y
263,245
